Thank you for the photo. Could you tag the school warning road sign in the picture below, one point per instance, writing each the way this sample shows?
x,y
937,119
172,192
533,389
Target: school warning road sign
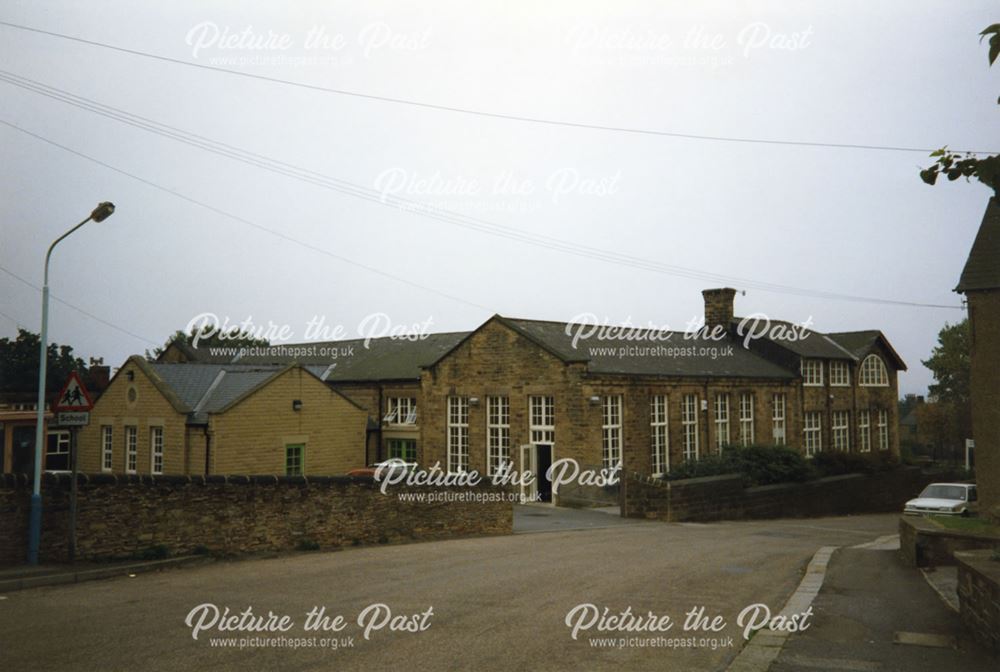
x,y
74,396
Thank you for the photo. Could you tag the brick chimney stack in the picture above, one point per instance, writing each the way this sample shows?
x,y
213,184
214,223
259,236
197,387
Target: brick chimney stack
x,y
719,307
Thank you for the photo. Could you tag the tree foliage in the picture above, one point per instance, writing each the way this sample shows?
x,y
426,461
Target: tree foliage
x,y
950,363
19,365
969,166
233,338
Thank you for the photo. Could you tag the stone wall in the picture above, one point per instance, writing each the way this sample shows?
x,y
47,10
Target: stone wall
x,y
979,596
924,544
984,318
724,497
122,516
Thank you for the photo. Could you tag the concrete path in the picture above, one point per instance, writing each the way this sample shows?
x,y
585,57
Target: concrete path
x,y
545,518
875,614
499,603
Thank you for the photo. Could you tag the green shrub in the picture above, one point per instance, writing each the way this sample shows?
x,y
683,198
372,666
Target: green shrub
x,y
759,465
836,462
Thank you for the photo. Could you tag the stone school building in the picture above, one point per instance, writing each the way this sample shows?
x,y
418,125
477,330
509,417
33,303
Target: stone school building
x,y
511,390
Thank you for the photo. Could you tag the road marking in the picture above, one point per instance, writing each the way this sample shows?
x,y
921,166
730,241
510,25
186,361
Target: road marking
x,y
832,663
924,639
890,542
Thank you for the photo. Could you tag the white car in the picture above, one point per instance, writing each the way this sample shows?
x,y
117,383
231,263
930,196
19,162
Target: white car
x,y
944,499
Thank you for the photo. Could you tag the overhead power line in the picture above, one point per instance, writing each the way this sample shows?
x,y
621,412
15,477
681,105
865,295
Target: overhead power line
x,y
71,306
480,113
423,209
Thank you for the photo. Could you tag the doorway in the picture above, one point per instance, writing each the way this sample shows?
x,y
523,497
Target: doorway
x,y
537,458
23,450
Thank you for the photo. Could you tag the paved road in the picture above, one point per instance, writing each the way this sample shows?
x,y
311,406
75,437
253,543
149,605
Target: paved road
x,y
498,603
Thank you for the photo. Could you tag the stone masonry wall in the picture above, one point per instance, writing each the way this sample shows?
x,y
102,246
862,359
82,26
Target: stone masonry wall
x,y
979,596
121,516
725,498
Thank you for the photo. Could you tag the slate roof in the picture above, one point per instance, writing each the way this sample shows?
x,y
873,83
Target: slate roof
x,y
860,343
650,357
383,358
812,344
982,269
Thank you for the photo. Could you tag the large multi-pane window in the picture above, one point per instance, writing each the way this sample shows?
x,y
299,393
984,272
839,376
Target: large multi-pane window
x,y
746,419
401,411
873,373
689,426
497,433
156,450
458,434
812,432
864,431
106,448
57,451
295,460
812,372
131,449
721,421
542,416
840,374
402,449
611,426
778,419
883,429
840,430
659,435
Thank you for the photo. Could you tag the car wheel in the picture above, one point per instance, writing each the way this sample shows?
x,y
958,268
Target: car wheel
x,y
965,513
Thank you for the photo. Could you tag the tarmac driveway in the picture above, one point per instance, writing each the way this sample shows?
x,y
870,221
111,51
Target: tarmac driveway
x,y
545,518
499,603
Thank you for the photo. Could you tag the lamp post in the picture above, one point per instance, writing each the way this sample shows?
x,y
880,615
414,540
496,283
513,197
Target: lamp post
x,y
100,213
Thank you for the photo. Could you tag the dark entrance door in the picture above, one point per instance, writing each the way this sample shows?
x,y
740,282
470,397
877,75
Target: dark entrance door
x,y
544,462
23,451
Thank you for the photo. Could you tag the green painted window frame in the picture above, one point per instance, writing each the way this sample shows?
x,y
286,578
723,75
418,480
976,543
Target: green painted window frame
x,y
406,443
301,447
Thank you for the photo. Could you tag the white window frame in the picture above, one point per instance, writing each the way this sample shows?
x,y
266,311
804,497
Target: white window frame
x,y
779,430
812,372
840,430
746,419
131,449
401,411
107,448
542,419
721,421
611,431
62,447
872,372
497,433
883,429
156,449
812,432
864,431
689,427
458,435
659,434
840,374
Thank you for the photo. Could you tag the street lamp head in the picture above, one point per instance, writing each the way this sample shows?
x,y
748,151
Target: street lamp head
x,y
102,211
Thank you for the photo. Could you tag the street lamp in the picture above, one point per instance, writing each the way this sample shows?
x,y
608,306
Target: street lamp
x,y
100,213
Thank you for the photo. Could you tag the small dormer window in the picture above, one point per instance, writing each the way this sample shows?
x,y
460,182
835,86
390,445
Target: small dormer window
x,y
812,372
873,373
401,411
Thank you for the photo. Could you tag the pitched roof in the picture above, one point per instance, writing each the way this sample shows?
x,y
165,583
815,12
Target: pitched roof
x,y
861,343
638,353
982,269
352,360
801,341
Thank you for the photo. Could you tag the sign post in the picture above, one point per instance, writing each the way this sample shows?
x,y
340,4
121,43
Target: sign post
x,y
73,411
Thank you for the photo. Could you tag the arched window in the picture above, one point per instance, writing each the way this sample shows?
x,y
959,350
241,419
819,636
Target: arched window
x,y
873,372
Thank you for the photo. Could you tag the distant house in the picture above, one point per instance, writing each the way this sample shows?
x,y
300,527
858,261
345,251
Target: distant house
x,y
193,418
18,415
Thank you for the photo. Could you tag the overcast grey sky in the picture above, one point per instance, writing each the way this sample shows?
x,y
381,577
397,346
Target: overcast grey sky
x,y
845,221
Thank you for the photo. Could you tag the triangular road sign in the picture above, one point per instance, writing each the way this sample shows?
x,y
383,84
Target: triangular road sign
x,y
74,396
